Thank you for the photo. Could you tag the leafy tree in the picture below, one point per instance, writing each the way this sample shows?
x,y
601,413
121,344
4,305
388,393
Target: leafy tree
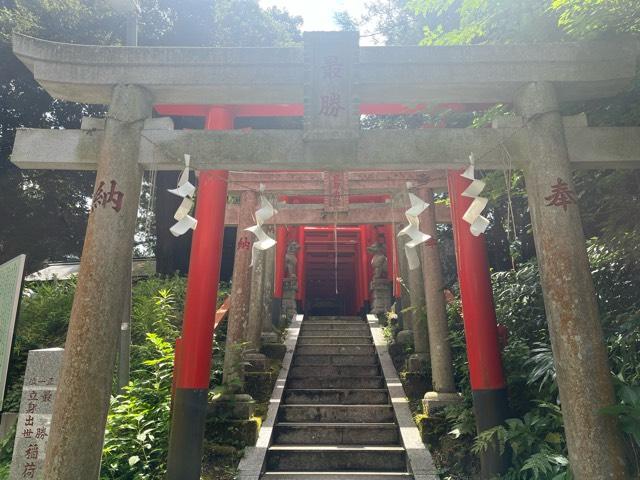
x,y
47,211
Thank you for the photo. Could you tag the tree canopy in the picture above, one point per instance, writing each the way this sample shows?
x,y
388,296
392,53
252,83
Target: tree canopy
x,y
45,212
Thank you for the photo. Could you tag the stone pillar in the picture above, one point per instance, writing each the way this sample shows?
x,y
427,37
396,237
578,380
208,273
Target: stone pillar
x,y
240,293
254,327
439,348
34,421
405,335
583,375
416,362
268,335
80,412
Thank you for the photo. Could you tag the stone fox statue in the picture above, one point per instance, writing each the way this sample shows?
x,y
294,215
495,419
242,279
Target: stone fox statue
x,y
291,259
379,260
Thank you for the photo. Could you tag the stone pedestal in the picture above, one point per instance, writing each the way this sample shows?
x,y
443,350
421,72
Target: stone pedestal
x,y
36,407
235,406
289,305
434,401
255,362
417,363
405,337
269,337
380,296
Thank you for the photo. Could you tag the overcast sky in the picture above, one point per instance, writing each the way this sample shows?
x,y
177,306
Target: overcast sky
x,y
318,14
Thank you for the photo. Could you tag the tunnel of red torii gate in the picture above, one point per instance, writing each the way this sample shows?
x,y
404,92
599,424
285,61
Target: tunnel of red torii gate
x,y
330,82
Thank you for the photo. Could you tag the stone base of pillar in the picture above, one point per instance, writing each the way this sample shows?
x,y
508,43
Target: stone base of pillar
x,y
380,296
269,337
434,401
417,363
404,337
256,362
238,406
415,384
289,303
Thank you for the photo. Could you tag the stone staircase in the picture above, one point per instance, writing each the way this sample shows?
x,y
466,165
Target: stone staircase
x,y
336,420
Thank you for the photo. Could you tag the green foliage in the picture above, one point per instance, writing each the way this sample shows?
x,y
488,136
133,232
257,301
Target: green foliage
x,y
49,209
535,444
627,411
137,434
42,323
593,18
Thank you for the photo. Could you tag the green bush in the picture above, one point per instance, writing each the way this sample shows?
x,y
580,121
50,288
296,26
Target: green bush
x,y
137,434
534,436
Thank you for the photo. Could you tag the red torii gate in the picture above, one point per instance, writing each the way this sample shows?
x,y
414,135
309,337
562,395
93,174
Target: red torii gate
x,y
487,378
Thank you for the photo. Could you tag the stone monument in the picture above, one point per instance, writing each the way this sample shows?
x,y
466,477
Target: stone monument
x,y
290,282
380,285
36,407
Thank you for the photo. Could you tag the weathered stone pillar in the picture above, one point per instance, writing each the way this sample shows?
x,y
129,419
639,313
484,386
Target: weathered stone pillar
x,y
405,335
439,348
583,375
416,362
240,293
79,415
254,326
268,335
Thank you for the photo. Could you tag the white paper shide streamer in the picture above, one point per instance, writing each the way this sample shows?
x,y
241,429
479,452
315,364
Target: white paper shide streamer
x,y
186,191
413,230
473,214
264,213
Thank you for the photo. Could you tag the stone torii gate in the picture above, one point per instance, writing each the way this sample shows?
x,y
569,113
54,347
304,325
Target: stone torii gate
x,y
334,80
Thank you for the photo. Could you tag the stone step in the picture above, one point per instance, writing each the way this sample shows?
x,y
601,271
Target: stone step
x,y
328,349
336,382
345,318
336,434
336,396
336,458
339,359
336,476
335,340
334,371
336,413
344,326
306,333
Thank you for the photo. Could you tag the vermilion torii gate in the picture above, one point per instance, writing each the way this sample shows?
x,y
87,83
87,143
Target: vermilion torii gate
x,y
333,80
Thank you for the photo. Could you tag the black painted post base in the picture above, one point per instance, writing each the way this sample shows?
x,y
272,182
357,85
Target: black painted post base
x,y
186,440
491,408
276,311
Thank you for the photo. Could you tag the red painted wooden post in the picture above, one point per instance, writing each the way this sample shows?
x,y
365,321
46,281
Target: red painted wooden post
x,y
281,251
364,265
300,295
194,362
485,365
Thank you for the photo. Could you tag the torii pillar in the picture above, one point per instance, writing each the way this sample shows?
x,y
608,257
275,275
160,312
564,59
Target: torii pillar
x,y
488,385
579,351
444,386
76,436
281,251
240,293
193,352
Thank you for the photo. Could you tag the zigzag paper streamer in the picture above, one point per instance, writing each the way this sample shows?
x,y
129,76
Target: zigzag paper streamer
x,y
473,215
264,213
185,190
413,230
